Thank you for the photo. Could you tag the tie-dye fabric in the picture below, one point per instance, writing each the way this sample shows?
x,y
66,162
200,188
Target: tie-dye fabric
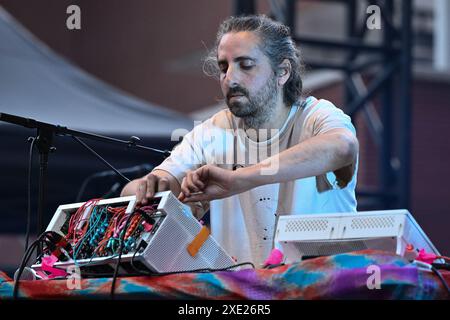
x,y
343,276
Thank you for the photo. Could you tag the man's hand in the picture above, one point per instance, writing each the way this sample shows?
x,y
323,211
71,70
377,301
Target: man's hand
x,y
210,182
149,185
146,187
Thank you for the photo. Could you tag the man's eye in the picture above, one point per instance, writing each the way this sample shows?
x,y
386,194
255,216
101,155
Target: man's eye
x,y
247,66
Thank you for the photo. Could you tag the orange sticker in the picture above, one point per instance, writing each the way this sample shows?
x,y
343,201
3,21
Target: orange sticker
x,y
198,241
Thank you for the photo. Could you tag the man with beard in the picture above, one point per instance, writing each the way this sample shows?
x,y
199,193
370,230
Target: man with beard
x,y
271,152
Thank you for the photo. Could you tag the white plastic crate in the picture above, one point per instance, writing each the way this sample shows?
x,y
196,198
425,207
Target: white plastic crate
x,y
165,246
302,236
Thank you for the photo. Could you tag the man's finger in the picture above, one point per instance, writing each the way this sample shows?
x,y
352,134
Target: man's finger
x,y
190,184
140,192
194,197
184,188
203,173
163,184
151,181
196,180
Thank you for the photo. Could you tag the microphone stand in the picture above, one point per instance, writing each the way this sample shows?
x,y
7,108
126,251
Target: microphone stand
x,y
44,140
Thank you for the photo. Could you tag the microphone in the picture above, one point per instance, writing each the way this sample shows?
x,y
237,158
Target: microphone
x,y
143,167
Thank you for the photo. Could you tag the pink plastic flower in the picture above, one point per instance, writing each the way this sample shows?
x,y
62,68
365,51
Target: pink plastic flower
x,y
426,257
275,257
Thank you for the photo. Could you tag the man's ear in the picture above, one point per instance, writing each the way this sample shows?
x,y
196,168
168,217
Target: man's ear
x,y
284,72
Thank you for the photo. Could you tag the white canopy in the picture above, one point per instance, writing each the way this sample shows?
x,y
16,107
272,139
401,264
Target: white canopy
x,y
39,84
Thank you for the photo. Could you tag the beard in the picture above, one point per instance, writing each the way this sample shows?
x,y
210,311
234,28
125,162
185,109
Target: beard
x,y
257,109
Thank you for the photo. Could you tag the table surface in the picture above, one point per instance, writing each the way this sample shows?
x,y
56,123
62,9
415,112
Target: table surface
x,y
343,276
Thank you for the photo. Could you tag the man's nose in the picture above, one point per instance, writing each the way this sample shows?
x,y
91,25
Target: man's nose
x,y
231,78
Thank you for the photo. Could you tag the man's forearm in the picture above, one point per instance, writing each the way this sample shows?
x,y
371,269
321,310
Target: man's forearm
x,y
314,156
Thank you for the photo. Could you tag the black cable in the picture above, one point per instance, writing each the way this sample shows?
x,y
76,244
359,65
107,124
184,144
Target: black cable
x,y
436,271
24,262
40,240
143,213
138,169
122,239
85,274
146,272
101,158
445,265
30,167
203,270
272,266
133,257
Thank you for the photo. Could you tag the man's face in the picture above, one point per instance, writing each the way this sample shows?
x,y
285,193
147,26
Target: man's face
x,y
247,79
